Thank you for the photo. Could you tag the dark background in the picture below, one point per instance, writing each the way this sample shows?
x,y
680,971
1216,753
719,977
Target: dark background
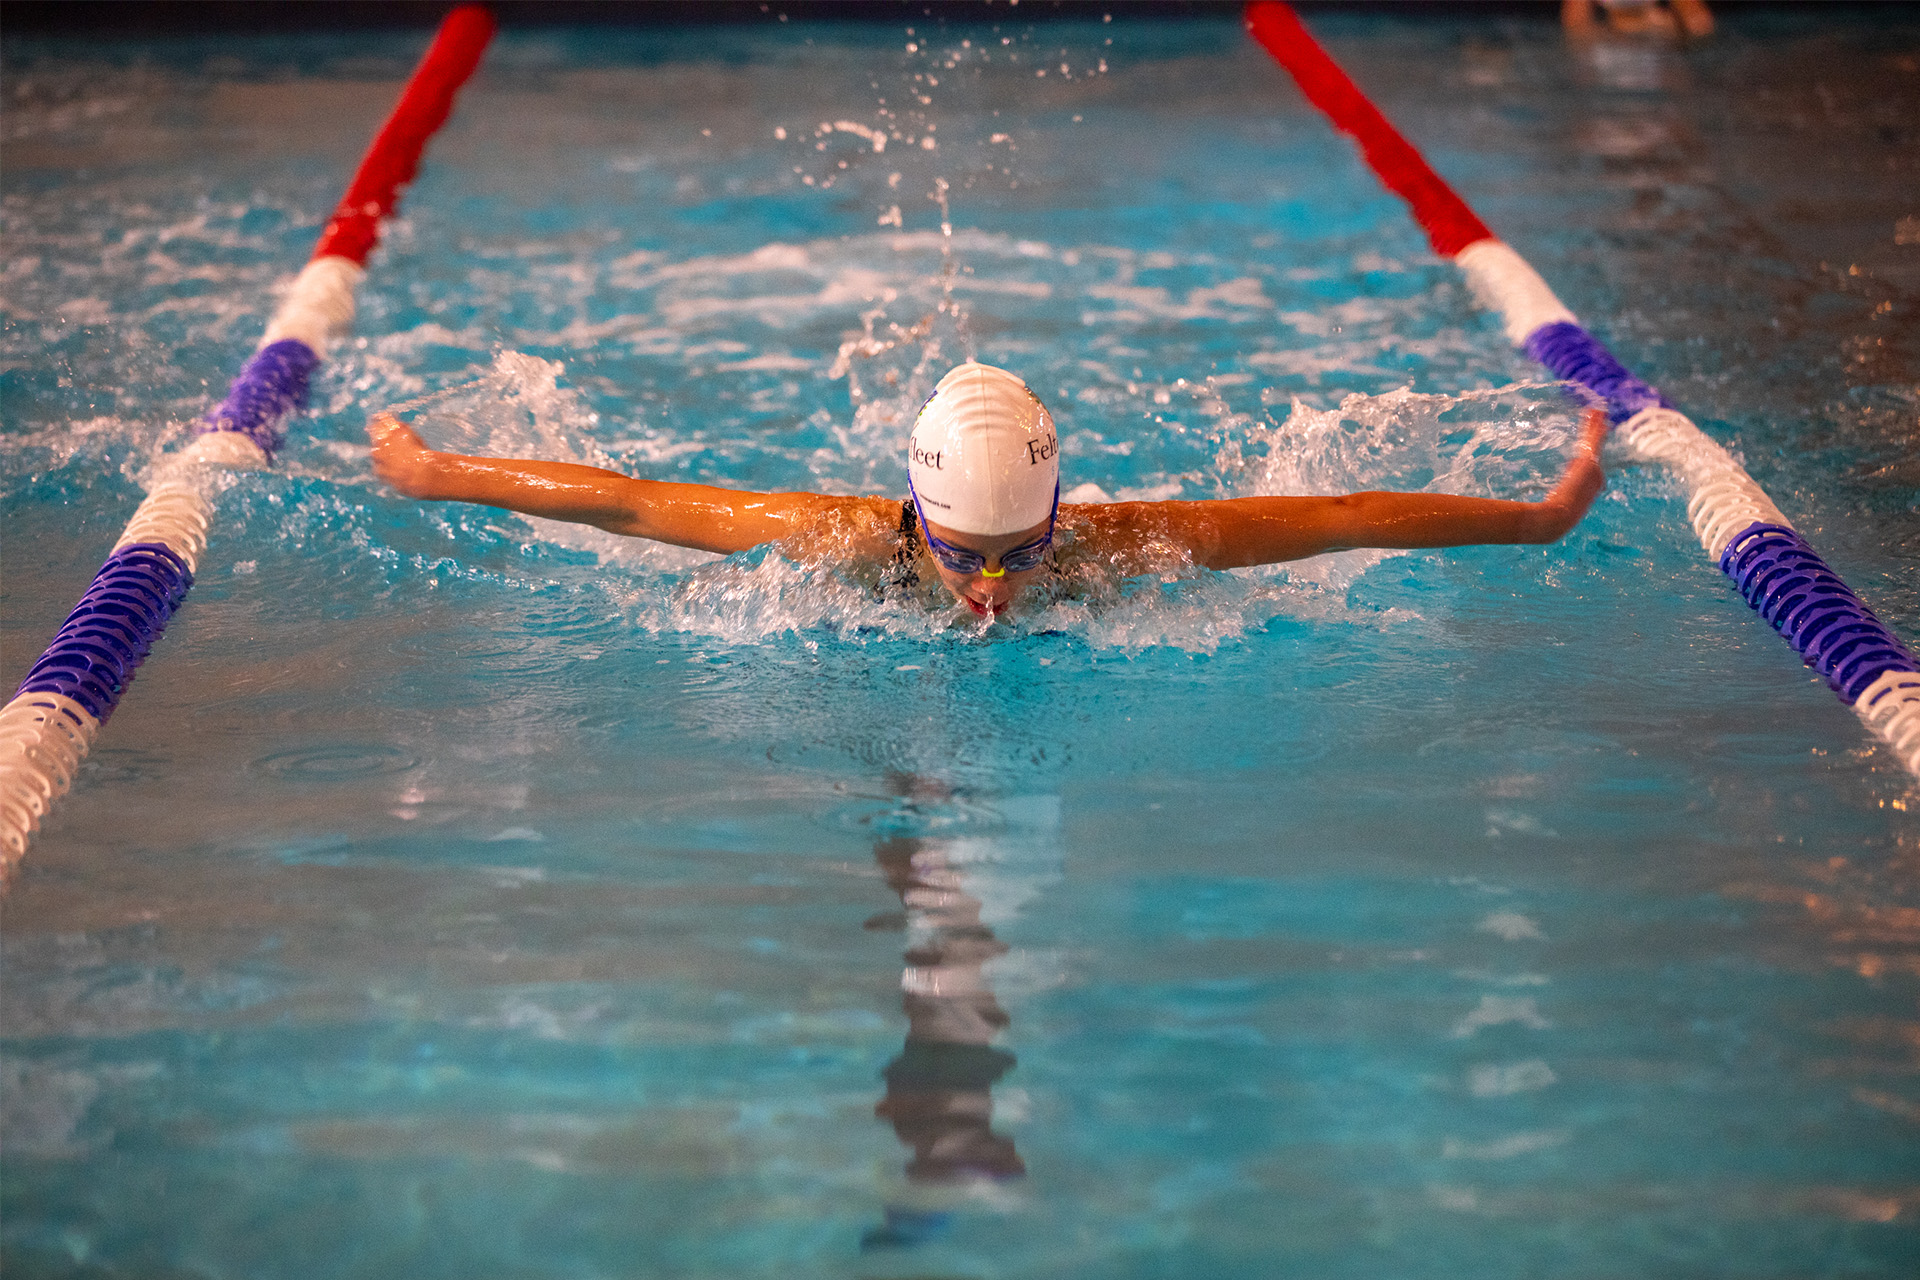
x,y
136,17
133,17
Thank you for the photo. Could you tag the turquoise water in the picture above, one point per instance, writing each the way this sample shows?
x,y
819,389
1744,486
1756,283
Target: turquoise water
x,y
457,895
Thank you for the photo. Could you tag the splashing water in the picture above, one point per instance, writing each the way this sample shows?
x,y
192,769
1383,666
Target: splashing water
x,y
516,408
1508,441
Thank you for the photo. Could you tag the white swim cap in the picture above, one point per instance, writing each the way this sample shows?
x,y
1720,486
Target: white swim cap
x,y
983,455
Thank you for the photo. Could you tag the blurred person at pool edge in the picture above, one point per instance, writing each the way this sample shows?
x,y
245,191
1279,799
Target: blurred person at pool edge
x,y
983,508
1673,20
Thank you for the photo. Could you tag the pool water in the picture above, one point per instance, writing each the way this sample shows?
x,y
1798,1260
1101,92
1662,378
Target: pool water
x,y
462,895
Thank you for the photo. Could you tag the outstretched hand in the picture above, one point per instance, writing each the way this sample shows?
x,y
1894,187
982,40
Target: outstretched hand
x,y
399,457
1579,484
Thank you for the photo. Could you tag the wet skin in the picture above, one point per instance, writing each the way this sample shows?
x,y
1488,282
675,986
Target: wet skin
x,y
1133,537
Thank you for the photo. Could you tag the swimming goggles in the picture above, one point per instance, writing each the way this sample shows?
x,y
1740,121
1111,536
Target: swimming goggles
x,y
967,561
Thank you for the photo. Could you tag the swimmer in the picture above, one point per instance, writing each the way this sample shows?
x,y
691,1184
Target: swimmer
x,y
983,505
1674,20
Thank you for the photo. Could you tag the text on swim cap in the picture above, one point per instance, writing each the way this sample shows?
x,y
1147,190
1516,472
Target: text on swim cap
x,y
1039,451
923,458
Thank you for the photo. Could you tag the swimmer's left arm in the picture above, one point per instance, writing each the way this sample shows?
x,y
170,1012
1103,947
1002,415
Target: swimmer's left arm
x,y
1239,532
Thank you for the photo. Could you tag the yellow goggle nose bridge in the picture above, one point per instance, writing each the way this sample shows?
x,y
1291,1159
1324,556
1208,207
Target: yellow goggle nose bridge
x,y
1001,572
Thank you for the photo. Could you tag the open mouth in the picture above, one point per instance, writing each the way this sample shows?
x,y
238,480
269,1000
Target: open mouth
x,y
984,610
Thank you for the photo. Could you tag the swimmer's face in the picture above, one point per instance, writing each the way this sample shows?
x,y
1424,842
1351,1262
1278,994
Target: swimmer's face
x,y
983,594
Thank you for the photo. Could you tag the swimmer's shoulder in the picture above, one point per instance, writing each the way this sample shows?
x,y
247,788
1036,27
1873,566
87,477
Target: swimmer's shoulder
x,y
1131,537
1104,523
856,527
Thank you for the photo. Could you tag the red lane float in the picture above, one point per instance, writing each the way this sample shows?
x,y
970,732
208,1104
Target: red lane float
x,y
1450,225
394,157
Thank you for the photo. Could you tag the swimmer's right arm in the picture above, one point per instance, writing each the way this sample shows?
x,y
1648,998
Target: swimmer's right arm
x,y
700,516
1235,533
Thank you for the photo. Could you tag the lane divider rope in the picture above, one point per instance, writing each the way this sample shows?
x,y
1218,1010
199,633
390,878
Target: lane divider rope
x,y
1772,566
52,720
